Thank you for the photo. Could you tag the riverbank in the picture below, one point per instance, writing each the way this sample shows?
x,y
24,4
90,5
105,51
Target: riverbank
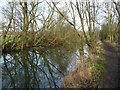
x,y
45,39
89,73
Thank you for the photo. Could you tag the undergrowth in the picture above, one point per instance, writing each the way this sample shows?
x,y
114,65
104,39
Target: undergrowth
x,y
88,74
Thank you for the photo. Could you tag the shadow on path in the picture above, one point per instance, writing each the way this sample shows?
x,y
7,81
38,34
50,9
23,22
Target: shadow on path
x,y
111,77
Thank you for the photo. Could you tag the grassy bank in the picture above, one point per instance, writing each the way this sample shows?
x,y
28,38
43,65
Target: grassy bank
x,y
88,73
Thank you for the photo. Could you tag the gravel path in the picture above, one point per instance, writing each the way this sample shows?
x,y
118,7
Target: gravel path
x,y
111,77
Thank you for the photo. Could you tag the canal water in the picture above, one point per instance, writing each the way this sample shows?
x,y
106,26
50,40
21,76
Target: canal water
x,y
41,68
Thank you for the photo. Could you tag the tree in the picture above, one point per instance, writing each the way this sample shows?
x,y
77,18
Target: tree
x,y
110,23
87,12
117,6
20,19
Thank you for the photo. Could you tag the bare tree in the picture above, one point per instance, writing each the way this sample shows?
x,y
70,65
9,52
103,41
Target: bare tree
x,y
87,12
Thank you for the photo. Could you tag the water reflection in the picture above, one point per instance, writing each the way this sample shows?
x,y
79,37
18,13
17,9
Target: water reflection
x,y
36,69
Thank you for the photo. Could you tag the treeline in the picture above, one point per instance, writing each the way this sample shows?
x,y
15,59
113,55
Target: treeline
x,y
109,34
109,29
75,22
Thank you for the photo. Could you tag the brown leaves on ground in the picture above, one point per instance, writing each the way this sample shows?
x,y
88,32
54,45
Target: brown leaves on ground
x,y
81,77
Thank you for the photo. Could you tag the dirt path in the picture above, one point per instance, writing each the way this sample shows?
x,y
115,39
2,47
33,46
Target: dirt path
x,y
111,77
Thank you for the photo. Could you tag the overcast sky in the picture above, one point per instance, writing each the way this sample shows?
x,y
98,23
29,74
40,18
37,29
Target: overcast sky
x,y
3,4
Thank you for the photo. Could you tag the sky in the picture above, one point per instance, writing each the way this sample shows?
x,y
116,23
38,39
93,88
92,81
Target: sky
x,y
3,4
